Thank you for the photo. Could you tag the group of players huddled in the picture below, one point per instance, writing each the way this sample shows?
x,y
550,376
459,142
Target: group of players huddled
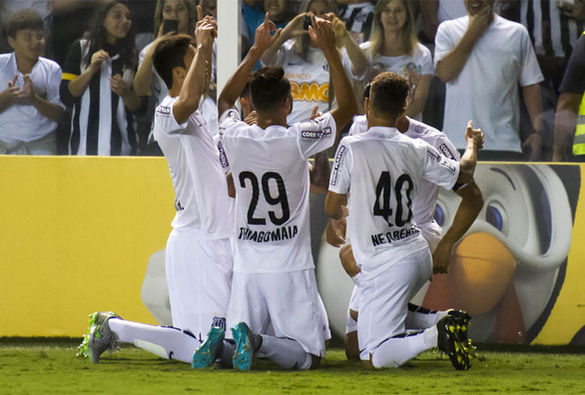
x,y
239,253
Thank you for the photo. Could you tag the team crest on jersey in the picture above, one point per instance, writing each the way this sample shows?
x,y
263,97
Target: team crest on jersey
x,y
316,134
337,163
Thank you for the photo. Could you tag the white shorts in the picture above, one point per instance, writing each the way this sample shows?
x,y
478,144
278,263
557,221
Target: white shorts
x,y
199,276
431,233
282,305
354,304
385,297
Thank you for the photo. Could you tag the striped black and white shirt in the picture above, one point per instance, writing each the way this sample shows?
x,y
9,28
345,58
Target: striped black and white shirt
x,y
552,33
100,123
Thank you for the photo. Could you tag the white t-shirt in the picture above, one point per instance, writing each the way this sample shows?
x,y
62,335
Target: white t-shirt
x,y
309,79
271,175
486,90
381,172
420,60
23,122
423,206
201,195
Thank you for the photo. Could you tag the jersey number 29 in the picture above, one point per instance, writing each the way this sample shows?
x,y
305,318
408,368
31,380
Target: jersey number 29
x,y
272,200
402,189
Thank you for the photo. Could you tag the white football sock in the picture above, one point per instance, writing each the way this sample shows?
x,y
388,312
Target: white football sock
x,y
166,342
398,350
420,318
287,353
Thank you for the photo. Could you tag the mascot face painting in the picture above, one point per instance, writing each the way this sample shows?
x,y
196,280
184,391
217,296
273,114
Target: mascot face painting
x,y
506,271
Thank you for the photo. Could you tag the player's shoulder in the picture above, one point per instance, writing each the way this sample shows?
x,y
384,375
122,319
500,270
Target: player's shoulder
x,y
359,125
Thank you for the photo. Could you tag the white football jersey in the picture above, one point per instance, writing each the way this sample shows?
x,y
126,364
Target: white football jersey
x,y
271,176
423,207
381,171
309,79
201,195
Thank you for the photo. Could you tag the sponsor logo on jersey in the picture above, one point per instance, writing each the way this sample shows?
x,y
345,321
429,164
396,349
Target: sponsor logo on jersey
x,y
163,110
310,91
316,134
278,234
337,163
222,156
397,235
446,151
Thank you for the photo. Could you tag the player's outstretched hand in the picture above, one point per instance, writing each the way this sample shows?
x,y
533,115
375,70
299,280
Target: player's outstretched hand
x,y
442,257
474,136
316,113
205,32
335,232
322,33
263,38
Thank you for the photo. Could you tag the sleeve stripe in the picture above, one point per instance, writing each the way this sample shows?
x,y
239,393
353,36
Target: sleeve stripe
x,y
69,76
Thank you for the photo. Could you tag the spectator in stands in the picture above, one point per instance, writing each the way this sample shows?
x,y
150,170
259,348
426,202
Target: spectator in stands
x,y
357,16
393,46
304,63
29,90
482,58
554,27
147,82
97,82
570,114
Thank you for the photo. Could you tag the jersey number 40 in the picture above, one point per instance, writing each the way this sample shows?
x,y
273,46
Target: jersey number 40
x,y
402,189
272,200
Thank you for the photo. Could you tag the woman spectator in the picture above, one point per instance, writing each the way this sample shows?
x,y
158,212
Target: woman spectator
x,y
393,46
304,63
97,81
147,82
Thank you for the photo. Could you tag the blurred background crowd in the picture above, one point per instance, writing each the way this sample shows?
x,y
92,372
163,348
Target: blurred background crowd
x,y
76,76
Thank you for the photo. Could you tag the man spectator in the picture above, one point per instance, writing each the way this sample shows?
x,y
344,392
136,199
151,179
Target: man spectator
x,y
571,108
30,106
485,53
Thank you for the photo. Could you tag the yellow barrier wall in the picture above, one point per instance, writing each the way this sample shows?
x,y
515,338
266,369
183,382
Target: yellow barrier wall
x,y
76,236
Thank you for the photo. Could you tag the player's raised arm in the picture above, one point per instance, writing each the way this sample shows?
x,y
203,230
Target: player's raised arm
x,y
474,139
237,82
467,212
322,32
196,83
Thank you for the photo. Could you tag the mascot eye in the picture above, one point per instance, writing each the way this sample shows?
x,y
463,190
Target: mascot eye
x,y
494,217
439,215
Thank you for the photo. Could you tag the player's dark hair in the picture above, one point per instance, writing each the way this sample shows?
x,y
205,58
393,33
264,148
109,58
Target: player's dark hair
x,y
388,94
24,19
168,54
269,88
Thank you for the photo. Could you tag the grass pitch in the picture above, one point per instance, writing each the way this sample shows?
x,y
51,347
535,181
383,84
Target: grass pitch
x,y
49,366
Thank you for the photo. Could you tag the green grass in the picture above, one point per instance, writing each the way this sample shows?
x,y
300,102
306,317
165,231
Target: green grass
x,y
31,367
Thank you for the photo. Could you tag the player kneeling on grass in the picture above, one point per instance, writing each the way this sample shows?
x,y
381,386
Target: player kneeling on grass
x,y
274,300
423,208
198,254
384,170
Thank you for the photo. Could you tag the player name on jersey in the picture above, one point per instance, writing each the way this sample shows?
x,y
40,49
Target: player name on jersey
x,y
284,233
389,237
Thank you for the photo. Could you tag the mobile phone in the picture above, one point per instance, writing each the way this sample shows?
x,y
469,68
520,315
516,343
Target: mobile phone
x,y
307,22
170,25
